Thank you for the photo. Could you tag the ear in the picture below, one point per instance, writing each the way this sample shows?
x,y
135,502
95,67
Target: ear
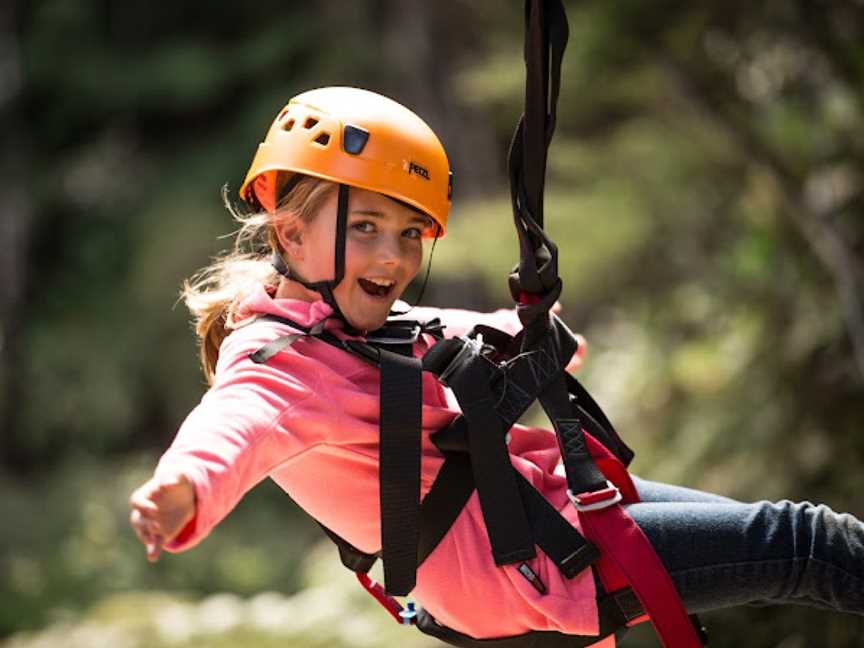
x,y
290,236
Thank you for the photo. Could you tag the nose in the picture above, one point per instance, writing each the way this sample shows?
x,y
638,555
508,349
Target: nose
x,y
389,250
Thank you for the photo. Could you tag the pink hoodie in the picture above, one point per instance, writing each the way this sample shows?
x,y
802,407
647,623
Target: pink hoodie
x,y
308,419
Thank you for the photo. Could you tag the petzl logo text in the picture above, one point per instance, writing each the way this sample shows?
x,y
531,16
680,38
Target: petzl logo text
x,y
416,169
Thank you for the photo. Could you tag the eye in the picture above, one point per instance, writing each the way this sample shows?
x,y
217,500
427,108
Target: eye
x,y
365,227
413,233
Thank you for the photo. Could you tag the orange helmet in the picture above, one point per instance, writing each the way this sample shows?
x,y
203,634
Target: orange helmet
x,y
357,138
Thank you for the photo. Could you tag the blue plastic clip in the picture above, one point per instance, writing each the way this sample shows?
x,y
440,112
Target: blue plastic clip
x,y
409,614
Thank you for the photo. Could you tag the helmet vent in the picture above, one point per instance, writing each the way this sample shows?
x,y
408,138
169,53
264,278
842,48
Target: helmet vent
x,y
323,139
310,123
288,125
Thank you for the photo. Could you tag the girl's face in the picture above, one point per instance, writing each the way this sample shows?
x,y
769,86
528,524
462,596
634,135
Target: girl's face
x,y
383,252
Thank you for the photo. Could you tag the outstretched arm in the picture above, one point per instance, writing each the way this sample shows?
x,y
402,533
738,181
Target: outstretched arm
x,y
227,444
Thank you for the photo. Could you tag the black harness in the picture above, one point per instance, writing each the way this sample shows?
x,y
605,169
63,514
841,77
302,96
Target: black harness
x,y
495,381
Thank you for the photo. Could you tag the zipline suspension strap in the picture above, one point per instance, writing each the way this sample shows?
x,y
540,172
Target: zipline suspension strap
x,y
536,285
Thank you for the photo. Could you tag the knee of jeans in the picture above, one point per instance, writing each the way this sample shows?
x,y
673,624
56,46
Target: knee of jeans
x,y
805,530
782,529
838,538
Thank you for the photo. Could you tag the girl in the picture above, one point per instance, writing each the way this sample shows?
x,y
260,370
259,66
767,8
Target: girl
x,y
346,187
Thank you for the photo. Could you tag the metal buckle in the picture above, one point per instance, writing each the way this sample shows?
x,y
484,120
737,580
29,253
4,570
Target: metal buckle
x,y
596,500
471,347
410,338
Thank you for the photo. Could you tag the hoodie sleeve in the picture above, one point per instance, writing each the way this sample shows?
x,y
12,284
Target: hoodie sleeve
x,y
238,433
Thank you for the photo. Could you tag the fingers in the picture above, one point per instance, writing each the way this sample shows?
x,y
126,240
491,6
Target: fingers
x,y
149,533
147,515
154,547
142,497
146,507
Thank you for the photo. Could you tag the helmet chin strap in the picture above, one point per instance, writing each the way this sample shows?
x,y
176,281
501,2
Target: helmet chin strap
x,y
324,288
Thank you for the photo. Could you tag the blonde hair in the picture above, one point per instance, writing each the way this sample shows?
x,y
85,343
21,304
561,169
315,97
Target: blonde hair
x,y
212,293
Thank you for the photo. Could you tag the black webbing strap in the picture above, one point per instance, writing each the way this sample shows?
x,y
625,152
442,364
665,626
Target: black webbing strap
x,y
397,335
281,343
444,502
399,468
582,472
453,487
507,526
351,557
546,34
558,539
612,621
546,349
341,231
595,421
270,349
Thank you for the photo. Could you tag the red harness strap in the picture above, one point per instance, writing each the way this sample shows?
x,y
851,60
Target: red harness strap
x,y
377,591
627,558
626,555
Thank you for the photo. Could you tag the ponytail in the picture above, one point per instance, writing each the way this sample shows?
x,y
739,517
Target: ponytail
x,y
213,293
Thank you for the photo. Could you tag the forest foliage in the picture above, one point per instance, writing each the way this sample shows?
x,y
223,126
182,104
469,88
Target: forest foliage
x,y
705,188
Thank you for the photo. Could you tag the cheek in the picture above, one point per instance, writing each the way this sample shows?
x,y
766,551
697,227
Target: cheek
x,y
319,255
414,258
356,258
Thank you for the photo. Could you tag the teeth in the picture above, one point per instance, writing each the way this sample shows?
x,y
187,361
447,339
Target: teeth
x,y
382,282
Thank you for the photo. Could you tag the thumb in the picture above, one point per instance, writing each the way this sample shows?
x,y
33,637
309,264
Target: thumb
x,y
579,355
582,349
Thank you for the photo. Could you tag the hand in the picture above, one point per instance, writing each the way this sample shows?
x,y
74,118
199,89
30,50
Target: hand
x,y
161,508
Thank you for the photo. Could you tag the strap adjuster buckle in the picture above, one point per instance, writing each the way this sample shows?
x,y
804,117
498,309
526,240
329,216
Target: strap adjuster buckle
x,y
392,333
596,500
470,347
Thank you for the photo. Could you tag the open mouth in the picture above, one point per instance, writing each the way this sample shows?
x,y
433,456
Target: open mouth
x,y
377,287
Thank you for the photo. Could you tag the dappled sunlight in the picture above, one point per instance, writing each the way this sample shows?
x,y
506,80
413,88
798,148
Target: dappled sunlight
x,y
335,613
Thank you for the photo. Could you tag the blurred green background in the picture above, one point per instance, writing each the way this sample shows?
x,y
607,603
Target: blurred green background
x,y
705,188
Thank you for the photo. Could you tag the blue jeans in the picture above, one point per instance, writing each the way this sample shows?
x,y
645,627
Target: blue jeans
x,y
721,552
